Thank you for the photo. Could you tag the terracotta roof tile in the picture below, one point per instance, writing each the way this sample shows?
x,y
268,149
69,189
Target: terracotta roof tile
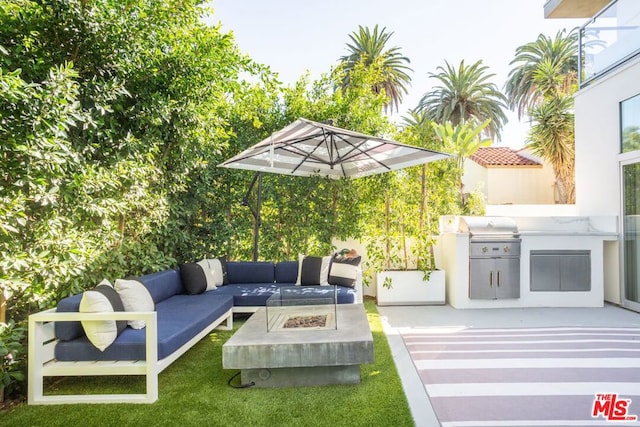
x,y
501,156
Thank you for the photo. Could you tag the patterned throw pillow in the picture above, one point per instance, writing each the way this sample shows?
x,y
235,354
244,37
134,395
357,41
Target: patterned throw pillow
x,y
102,299
344,270
313,270
209,275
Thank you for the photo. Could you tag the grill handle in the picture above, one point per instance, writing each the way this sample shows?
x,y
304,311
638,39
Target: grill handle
x,y
498,278
491,279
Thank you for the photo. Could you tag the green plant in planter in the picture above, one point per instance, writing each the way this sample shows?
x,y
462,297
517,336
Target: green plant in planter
x,y
402,224
400,235
12,351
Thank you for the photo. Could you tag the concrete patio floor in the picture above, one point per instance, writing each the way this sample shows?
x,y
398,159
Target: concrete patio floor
x,y
395,319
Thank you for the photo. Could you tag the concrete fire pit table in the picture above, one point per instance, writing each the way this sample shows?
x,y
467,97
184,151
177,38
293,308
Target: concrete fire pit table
x,y
272,355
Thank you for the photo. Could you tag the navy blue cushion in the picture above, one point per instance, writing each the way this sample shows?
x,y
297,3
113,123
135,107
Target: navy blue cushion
x,y
256,295
287,272
346,295
179,319
249,295
68,330
163,284
250,272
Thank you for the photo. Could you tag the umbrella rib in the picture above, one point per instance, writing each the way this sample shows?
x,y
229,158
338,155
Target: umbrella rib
x,y
360,151
333,152
285,146
307,156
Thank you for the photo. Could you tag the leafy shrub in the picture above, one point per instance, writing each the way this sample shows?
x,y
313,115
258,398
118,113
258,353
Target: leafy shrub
x,y
12,356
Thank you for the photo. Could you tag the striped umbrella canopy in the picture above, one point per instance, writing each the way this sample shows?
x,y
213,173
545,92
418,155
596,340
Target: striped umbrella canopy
x,y
308,148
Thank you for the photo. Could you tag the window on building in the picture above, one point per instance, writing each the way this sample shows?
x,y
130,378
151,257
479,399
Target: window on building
x,y
630,124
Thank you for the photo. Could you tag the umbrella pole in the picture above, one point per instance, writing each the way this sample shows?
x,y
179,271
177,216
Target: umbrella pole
x,y
255,212
256,226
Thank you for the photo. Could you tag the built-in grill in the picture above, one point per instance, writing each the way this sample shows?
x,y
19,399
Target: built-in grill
x,y
494,256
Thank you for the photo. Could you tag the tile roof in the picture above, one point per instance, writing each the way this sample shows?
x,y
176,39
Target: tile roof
x,y
501,156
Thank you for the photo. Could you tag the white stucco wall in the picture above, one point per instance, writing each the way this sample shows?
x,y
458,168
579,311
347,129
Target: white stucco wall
x,y
475,178
598,187
523,185
510,185
597,112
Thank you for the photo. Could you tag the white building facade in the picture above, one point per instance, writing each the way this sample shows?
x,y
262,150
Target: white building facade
x,y
607,129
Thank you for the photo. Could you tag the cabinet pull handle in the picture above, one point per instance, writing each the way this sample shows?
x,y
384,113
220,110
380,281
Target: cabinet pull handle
x,y
498,278
491,279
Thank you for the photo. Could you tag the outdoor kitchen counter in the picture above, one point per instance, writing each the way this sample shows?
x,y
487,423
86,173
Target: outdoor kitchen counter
x,y
604,234
596,245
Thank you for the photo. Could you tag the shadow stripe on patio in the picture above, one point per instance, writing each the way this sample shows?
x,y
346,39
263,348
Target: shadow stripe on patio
x,y
525,376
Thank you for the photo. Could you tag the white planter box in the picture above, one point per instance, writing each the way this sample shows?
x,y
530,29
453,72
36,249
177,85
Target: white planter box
x,y
409,288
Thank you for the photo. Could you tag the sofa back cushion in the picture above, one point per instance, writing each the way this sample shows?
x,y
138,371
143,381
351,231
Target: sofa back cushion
x,y
163,284
286,272
68,331
250,272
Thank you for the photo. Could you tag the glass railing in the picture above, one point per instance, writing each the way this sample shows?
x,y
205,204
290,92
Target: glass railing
x,y
609,39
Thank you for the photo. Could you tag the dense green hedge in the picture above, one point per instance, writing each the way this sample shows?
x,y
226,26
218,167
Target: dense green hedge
x,y
113,117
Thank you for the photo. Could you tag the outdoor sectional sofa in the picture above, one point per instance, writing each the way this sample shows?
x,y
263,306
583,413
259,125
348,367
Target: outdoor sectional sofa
x,y
58,345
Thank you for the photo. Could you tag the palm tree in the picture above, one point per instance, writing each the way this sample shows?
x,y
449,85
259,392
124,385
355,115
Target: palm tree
x,y
465,94
370,48
552,137
560,54
541,85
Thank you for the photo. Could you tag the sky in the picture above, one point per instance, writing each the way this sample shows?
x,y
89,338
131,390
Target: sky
x,y
296,36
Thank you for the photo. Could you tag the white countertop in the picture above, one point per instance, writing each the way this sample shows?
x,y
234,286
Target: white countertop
x,y
570,233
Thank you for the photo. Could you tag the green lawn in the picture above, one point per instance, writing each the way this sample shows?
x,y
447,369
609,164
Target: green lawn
x,y
194,391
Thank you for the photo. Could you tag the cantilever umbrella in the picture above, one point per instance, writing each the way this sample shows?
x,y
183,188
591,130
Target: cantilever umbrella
x,y
308,148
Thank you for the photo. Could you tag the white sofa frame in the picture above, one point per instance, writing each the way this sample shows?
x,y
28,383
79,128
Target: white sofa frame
x,y
42,362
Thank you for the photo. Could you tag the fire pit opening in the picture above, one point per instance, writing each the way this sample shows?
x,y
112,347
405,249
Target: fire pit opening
x,y
306,321
299,320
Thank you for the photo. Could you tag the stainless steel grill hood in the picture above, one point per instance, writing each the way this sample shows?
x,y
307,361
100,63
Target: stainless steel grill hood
x,y
488,227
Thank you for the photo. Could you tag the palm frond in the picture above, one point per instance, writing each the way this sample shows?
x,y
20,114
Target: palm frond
x,y
370,46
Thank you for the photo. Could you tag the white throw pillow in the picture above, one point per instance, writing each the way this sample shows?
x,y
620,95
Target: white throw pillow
x,y
300,259
215,267
102,299
208,274
135,297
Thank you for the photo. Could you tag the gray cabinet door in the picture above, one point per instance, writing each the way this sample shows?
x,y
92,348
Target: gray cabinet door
x,y
508,278
575,272
545,272
561,270
491,278
482,279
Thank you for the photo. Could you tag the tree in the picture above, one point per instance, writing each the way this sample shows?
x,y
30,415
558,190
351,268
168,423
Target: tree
x,y
113,119
303,215
552,137
370,47
560,54
465,94
462,141
541,85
